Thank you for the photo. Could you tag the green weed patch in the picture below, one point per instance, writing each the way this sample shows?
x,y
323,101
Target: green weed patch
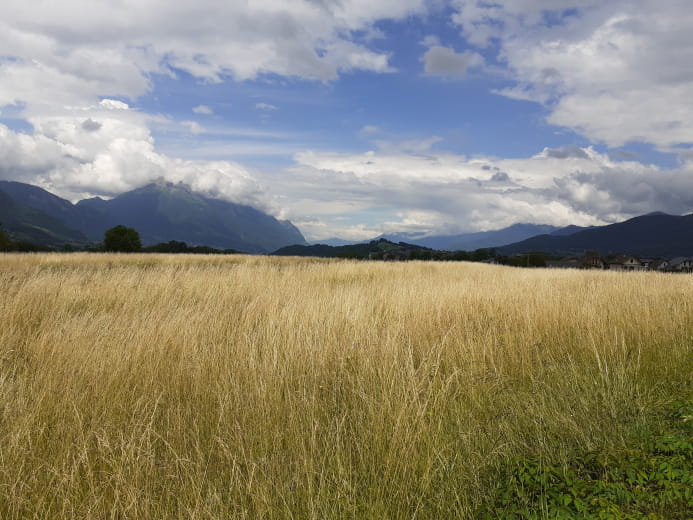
x,y
653,479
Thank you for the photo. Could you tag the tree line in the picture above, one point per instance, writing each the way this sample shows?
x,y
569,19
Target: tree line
x,y
118,239
123,239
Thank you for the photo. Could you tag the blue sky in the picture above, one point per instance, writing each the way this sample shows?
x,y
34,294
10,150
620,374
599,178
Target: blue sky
x,y
355,118
403,104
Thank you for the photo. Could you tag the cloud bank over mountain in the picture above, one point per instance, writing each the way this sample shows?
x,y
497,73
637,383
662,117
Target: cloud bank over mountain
x,y
452,193
110,152
80,110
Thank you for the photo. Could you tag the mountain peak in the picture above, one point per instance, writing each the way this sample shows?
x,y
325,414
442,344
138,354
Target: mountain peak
x,y
162,211
162,184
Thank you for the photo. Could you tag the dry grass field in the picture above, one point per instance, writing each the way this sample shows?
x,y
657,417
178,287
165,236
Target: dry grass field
x,y
214,387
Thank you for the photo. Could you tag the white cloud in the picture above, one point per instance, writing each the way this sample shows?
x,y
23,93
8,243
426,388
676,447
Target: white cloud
x,y
80,49
440,192
483,21
112,104
203,110
73,161
616,71
265,106
446,63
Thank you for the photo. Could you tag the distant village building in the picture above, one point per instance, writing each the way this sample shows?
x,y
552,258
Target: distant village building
x,y
681,265
589,261
658,265
593,261
626,263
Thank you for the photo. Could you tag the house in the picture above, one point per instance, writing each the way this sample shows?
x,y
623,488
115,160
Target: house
x,y
626,263
592,261
589,261
681,264
658,265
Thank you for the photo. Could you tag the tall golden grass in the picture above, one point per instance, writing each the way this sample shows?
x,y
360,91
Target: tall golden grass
x,y
143,386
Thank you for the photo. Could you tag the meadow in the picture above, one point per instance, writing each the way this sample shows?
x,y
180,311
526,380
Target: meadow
x,y
241,387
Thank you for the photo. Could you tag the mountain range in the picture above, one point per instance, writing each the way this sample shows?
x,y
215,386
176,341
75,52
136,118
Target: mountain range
x,y
466,241
472,241
160,212
656,235
651,235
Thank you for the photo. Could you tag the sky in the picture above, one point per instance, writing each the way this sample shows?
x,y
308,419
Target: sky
x,y
354,118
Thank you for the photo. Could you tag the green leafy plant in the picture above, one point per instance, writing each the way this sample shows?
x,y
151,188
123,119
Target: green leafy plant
x,y
652,480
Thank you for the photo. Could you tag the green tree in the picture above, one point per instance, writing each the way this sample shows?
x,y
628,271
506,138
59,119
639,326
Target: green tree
x,y
479,255
122,239
5,242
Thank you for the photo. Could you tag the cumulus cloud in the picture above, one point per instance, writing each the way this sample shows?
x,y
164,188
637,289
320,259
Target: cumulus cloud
x,y
441,192
80,49
615,71
113,104
565,153
117,156
446,63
